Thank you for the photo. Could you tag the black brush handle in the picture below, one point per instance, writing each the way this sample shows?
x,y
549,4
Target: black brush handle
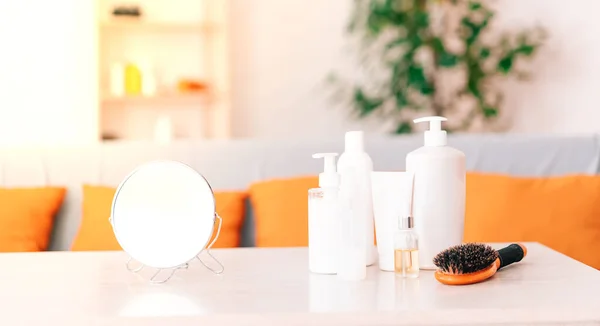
x,y
511,254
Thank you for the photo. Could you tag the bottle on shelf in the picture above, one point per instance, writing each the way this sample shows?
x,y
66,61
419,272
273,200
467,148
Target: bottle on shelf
x,y
133,79
117,79
148,79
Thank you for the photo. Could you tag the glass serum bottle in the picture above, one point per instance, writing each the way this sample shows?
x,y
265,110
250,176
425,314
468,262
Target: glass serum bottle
x,y
406,249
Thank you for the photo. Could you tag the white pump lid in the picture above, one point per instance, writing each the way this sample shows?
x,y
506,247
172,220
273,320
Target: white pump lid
x,y
435,136
329,178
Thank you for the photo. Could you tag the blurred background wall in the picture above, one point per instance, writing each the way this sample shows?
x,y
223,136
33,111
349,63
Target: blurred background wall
x,y
280,54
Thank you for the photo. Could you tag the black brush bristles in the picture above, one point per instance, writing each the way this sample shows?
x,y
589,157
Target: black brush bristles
x,y
465,258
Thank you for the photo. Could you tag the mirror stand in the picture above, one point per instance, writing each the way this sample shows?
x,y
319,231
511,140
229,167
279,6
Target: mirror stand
x,y
154,279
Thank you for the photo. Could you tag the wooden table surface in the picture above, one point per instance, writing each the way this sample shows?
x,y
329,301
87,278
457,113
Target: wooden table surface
x,y
273,287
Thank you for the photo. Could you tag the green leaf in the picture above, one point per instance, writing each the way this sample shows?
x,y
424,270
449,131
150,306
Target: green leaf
x,y
418,80
416,75
375,24
404,128
490,112
473,87
394,43
525,49
484,53
401,100
444,58
473,6
505,64
447,60
421,19
438,45
364,104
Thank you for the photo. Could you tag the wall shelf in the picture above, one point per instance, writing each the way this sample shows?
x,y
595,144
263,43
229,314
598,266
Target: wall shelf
x,y
174,40
177,99
131,24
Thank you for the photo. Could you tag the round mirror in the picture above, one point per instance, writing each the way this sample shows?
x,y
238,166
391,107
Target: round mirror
x,y
163,214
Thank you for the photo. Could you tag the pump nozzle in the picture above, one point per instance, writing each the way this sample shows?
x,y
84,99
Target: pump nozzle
x,y
435,136
329,177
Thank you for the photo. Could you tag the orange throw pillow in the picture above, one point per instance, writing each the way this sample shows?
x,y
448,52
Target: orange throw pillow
x,y
562,213
95,232
27,217
281,211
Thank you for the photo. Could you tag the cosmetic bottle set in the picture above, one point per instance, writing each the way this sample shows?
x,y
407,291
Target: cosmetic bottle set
x,y
416,213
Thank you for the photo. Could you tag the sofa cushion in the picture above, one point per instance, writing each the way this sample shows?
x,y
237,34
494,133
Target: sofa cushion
x,y
95,232
562,213
27,216
281,211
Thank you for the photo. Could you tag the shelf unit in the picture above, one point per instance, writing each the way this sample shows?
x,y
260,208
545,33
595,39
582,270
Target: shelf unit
x,y
127,24
179,49
158,100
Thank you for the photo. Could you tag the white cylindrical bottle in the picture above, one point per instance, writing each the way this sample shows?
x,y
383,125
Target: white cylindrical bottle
x,y
439,192
117,79
148,79
324,219
355,166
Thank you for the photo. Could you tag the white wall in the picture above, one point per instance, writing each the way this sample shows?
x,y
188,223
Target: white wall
x,y
282,53
563,97
283,49
48,72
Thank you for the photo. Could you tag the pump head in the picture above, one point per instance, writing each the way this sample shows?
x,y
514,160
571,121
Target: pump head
x,y
435,136
329,177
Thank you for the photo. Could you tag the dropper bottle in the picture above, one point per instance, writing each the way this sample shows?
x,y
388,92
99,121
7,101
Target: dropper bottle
x,y
406,249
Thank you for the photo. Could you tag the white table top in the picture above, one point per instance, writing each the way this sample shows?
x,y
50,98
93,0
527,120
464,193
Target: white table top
x,y
273,287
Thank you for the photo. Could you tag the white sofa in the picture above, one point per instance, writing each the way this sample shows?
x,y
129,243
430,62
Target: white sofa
x,y
234,165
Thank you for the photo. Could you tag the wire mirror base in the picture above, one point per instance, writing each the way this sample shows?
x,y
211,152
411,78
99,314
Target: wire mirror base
x,y
156,277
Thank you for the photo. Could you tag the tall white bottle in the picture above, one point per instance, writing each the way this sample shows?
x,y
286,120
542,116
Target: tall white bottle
x,y
355,167
324,219
438,193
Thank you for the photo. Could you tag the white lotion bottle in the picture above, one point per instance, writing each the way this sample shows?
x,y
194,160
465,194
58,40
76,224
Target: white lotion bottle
x,y
352,254
439,192
355,166
324,219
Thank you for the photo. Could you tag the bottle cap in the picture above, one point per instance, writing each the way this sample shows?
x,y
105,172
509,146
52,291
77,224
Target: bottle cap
x,y
354,141
406,222
329,178
435,136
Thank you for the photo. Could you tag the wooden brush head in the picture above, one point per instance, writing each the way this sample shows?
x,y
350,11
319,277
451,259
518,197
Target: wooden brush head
x,y
465,259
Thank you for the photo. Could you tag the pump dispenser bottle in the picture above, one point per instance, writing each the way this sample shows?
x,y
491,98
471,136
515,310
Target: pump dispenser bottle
x,y
324,219
438,193
355,167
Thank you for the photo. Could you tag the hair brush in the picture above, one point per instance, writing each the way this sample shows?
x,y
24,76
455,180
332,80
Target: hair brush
x,y
474,262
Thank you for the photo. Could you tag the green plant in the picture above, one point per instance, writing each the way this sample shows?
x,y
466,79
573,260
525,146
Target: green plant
x,y
434,57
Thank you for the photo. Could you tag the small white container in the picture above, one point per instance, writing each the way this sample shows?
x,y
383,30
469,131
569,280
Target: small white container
x,y
148,80
117,79
439,192
324,219
392,197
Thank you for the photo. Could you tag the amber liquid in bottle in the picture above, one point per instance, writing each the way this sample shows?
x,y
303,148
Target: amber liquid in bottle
x,y
406,249
406,262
